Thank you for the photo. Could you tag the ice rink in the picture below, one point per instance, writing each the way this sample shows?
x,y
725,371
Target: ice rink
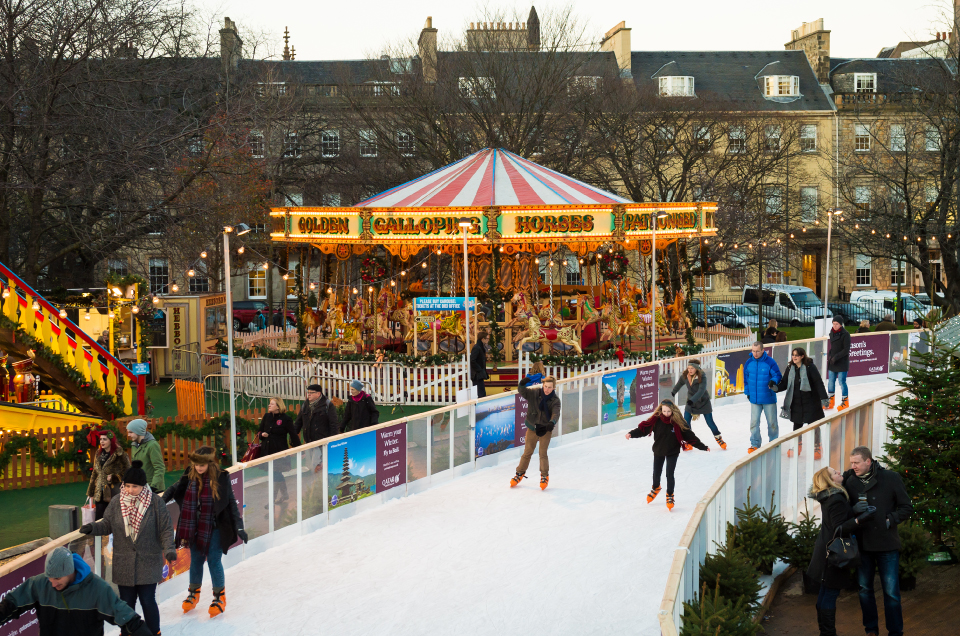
x,y
473,556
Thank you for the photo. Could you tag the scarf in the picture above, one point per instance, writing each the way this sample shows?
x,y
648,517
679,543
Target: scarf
x,y
359,396
133,508
196,516
870,474
804,386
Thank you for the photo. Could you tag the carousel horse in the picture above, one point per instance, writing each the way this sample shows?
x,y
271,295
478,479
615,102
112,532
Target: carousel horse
x,y
629,323
522,311
659,319
347,333
545,335
545,313
676,314
315,319
334,316
404,316
360,311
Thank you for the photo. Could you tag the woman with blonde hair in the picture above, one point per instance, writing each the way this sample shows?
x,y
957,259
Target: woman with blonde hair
x,y
838,519
276,428
771,332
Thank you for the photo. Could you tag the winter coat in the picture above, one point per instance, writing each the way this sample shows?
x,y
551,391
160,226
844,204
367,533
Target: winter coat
x,y
115,466
478,363
226,514
886,491
149,452
318,422
806,406
139,563
535,416
757,374
885,325
359,414
698,394
838,355
863,330
835,509
665,442
278,427
79,610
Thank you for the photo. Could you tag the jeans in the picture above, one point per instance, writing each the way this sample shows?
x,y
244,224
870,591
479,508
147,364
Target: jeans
x,y
770,411
213,557
827,599
529,443
888,564
148,601
687,415
832,377
658,469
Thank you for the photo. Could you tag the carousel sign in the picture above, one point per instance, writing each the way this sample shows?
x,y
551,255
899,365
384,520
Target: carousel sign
x,y
421,225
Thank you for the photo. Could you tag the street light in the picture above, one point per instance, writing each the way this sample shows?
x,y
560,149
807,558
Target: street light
x,y
240,229
465,224
653,287
826,286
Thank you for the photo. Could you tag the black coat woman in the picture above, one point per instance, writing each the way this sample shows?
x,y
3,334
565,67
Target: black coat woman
x,y
359,410
805,396
276,428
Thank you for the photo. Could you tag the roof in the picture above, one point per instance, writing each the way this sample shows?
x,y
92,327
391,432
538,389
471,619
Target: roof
x,y
893,74
319,72
491,177
731,75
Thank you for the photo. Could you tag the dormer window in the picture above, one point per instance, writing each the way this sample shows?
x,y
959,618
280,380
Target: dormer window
x,y
676,86
865,82
782,86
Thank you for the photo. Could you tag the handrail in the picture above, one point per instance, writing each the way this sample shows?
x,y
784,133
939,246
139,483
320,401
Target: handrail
x,y
36,553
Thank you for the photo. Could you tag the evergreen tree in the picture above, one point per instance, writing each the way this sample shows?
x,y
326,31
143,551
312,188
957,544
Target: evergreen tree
x,y
800,549
714,615
915,547
756,539
736,577
925,446
774,519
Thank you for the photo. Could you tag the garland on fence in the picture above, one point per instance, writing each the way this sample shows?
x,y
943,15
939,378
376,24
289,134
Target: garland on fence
x,y
216,427
79,454
611,354
263,351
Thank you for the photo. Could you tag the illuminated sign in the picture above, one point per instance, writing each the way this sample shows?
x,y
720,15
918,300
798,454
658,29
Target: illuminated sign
x,y
545,224
323,225
422,225
674,221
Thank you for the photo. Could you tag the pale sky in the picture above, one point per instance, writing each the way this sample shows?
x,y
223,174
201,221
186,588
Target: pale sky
x,y
360,29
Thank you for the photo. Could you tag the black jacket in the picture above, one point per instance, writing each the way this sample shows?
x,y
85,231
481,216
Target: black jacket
x,y
665,442
863,330
838,360
278,427
226,514
698,394
885,325
478,363
886,491
549,415
359,414
319,422
806,406
835,509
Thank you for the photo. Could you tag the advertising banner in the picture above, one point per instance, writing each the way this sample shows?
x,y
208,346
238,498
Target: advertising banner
x,y
26,625
647,397
236,483
496,425
391,457
520,421
729,373
355,461
869,355
452,303
182,563
618,392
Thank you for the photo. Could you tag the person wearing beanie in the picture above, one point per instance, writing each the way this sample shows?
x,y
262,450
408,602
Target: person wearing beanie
x,y
209,524
670,435
698,399
360,411
70,599
109,465
142,540
147,450
838,363
543,413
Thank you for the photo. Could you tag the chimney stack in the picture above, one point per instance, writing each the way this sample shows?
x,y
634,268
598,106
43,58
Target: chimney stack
x,y
231,46
617,40
427,47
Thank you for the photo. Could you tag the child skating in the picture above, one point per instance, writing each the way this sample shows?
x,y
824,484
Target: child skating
x,y
670,435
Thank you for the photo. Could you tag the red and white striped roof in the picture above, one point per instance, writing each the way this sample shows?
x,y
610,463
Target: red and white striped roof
x,y
491,177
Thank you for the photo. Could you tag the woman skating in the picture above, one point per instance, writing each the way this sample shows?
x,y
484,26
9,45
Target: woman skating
x,y
109,466
698,398
670,435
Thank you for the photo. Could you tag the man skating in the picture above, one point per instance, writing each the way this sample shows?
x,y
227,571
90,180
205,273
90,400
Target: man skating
x,y
760,372
543,412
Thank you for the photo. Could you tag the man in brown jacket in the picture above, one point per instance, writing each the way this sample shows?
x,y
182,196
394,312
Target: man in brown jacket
x,y
543,413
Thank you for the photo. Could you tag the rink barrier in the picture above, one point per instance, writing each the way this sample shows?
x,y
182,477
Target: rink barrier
x,y
440,446
775,470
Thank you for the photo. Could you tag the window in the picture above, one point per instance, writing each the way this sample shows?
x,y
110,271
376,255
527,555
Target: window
x,y
117,267
159,275
477,87
295,199
331,199
330,143
256,144
932,139
676,86
737,276
808,137
257,284
383,89
773,200
258,228
863,198
199,282
405,143
808,204
583,85
291,146
898,138
863,270
698,281
154,222
666,135
737,140
368,143
701,135
195,146
897,270
865,82
772,138
774,278
782,85
898,199
291,284
930,194
861,137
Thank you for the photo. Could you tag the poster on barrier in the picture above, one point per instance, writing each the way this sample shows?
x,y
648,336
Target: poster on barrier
x,y
236,483
182,564
520,421
728,376
869,355
26,625
618,392
355,461
495,425
647,397
391,457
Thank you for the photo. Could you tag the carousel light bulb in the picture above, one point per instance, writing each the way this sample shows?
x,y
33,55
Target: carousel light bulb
x,y
36,306
537,261
110,315
86,316
174,288
393,284
191,273
423,265
355,290
156,299
370,289
313,286
403,272
329,290
240,249
135,309
286,277
266,266
6,292
551,263
581,261
203,254
564,261
611,250
706,241
63,313
438,252
501,248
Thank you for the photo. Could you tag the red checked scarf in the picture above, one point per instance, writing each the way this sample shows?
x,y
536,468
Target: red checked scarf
x,y
196,516
133,508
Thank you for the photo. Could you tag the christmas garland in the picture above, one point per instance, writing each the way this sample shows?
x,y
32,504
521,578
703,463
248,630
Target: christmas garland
x,y
613,266
216,427
79,454
372,269
634,357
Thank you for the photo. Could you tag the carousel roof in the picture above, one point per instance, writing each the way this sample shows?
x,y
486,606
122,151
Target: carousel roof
x,y
492,176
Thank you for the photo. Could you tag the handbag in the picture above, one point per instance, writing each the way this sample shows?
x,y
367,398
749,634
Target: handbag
x,y
253,452
89,512
843,552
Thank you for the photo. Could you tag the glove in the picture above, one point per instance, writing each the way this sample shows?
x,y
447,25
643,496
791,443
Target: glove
x,y
541,430
242,534
171,556
860,507
772,385
866,515
136,627
534,378
824,403
550,426
86,528
7,608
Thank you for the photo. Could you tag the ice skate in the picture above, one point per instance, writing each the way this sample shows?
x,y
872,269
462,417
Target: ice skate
x,y
720,441
544,479
670,502
516,479
191,601
830,404
751,449
219,604
653,494
844,404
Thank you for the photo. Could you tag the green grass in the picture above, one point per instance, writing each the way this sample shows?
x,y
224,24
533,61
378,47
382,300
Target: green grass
x,y
805,333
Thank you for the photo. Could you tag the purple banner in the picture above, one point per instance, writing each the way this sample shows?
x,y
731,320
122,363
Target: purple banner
x,y
520,421
391,457
647,394
26,625
869,355
236,483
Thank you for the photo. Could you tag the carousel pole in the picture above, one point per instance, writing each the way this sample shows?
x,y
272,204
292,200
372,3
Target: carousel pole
x,y
653,285
465,224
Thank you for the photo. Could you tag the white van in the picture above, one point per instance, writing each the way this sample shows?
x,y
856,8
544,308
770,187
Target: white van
x,y
791,305
912,308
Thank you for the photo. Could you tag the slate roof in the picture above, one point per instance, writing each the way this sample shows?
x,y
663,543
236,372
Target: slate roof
x,y
894,75
731,76
316,72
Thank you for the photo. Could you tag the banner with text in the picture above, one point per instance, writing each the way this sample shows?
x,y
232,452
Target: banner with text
x,y
452,303
617,393
352,474
647,394
391,457
869,355
26,625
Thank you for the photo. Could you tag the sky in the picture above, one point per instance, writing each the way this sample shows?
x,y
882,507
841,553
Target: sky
x,y
348,30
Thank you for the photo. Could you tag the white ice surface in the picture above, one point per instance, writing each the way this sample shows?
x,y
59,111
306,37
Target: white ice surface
x,y
473,556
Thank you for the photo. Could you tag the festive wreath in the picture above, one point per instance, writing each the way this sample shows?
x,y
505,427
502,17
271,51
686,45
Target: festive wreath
x,y
372,269
613,266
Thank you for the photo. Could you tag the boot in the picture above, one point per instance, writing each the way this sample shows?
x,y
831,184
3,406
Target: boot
x,y
817,451
653,494
219,604
830,405
191,601
827,622
844,404
516,479
751,449
544,479
670,502
720,441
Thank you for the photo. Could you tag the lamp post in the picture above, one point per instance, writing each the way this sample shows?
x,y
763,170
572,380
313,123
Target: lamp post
x,y
241,229
465,224
653,287
826,286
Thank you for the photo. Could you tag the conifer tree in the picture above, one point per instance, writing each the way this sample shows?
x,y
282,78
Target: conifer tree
x,y
802,542
713,615
756,539
737,579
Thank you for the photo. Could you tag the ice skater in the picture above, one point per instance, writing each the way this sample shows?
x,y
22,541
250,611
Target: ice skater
x,y
543,412
670,435
698,399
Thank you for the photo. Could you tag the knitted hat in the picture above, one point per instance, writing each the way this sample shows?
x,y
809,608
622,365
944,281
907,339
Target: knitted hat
x,y
203,455
135,474
138,427
694,364
357,384
315,387
838,320
59,564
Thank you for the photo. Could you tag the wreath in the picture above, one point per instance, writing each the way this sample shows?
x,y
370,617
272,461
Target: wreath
x,y
613,266
372,269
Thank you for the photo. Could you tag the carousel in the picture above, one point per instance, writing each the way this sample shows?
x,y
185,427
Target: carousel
x,y
550,260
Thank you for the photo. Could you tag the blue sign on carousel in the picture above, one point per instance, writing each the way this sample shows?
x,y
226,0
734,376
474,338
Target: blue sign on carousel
x,y
452,303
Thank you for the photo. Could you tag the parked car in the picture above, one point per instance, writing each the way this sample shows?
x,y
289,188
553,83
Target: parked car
x,y
740,316
790,304
853,313
911,307
924,299
245,312
714,317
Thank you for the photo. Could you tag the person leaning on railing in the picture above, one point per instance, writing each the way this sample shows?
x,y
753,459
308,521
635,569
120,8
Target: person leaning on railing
x,y
276,428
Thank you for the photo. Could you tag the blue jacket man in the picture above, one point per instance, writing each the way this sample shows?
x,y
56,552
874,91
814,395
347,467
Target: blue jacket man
x,y
758,372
